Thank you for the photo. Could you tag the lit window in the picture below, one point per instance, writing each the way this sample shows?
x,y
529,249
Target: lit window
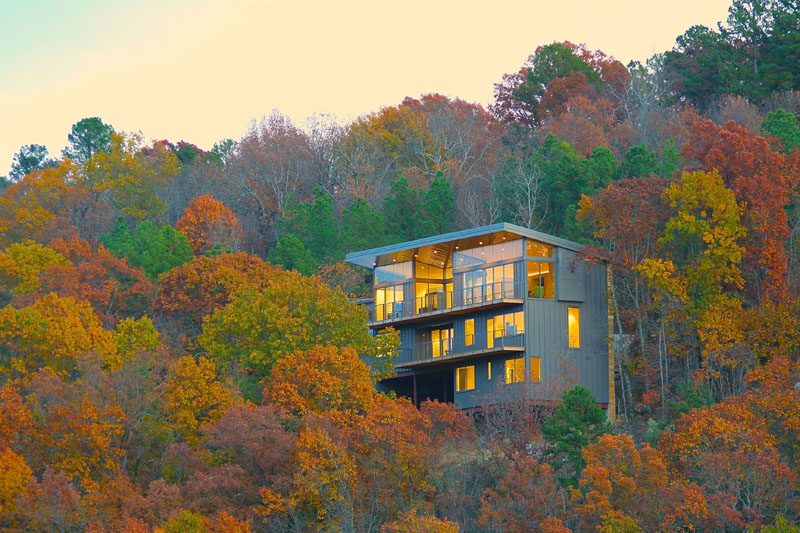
x,y
469,332
574,327
489,370
465,378
536,369
515,370
503,325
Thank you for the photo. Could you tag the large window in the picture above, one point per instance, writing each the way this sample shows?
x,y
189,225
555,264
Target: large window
x,y
541,281
388,302
488,284
441,342
574,327
465,378
503,325
433,287
515,370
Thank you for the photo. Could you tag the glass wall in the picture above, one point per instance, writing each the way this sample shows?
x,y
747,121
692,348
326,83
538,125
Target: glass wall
x,y
433,288
503,325
441,342
486,284
393,273
388,302
541,280
484,255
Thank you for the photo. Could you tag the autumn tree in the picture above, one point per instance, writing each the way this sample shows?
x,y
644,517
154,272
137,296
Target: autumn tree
x,y
194,395
320,380
626,485
21,265
113,288
764,180
207,222
265,322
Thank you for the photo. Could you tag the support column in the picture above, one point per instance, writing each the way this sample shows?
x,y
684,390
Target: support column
x,y
612,393
414,381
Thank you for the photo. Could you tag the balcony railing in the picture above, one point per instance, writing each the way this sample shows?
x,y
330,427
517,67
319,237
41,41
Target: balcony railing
x,y
444,349
448,300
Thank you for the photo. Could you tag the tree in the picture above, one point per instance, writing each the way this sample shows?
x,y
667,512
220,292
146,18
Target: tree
x,y
207,222
784,126
292,254
194,396
576,422
363,226
195,289
411,523
626,485
29,158
21,265
323,379
113,288
763,179
153,249
527,498
88,136
284,313
53,333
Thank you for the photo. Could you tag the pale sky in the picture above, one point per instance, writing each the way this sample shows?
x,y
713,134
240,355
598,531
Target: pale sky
x,y
199,70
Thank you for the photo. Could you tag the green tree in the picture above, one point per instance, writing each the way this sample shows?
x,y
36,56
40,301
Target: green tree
x,y
577,422
438,206
88,136
638,162
363,226
784,125
292,254
29,158
152,248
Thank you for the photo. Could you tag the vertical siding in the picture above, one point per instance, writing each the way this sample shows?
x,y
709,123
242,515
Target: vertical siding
x,y
570,279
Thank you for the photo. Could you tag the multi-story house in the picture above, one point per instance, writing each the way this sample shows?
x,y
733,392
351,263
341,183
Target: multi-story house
x,y
489,311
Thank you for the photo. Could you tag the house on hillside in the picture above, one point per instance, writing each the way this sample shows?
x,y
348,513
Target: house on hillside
x,y
492,310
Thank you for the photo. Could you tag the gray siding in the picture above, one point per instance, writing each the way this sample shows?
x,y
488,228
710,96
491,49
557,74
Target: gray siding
x,y
570,278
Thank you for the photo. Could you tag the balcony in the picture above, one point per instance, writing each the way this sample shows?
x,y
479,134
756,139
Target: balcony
x,y
447,302
431,352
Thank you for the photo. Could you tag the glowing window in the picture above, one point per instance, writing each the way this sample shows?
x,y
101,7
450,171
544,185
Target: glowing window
x,y
489,370
574,327
465,378
515,370
469,332
536,369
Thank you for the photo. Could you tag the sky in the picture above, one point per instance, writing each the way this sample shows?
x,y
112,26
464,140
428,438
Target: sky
x,y
201,71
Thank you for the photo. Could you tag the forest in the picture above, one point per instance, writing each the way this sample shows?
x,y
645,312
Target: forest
x,y
181,349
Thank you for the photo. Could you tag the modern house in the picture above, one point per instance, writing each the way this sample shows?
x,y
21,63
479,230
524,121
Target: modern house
x,y
492,310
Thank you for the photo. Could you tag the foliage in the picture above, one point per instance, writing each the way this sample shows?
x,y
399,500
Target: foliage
x,y
155,250
576,422
207,222
29,158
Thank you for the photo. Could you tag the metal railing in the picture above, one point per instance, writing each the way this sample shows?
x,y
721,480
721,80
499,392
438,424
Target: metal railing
x,y
446,300
444,349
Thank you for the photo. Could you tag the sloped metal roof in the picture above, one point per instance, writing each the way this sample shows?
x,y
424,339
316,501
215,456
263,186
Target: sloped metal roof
x,y
369,258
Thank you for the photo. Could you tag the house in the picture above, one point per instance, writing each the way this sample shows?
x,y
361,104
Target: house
x,y
491,310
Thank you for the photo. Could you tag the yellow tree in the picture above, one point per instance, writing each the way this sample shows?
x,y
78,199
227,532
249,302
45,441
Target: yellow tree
x,y
54,333
700,271
22,263
194,396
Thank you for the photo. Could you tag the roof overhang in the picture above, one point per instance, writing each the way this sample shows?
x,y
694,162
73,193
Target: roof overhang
x,y
463,239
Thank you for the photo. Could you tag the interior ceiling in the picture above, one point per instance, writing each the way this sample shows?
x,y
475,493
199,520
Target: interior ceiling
x,y
441,254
